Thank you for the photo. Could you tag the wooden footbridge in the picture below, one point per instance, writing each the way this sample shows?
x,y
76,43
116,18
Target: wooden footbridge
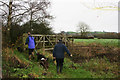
x,y
47,42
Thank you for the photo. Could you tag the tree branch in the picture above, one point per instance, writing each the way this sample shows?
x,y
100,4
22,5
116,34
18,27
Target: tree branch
x,y
3,10
5,3
20,14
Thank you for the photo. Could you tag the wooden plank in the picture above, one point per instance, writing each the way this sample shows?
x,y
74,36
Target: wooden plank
x,y
52,35
43,41
42,35
43,45
49,46
49,49
49,40
56,39
39,41
36,35
52,39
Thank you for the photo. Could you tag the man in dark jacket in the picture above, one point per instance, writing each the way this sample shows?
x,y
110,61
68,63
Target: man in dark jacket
x,y
31,45
58,54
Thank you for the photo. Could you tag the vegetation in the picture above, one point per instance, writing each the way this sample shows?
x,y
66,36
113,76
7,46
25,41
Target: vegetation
x,y
104,42
92,58
35,70
101,60
83,29
101,68
15,14
37,28
107,35
90,67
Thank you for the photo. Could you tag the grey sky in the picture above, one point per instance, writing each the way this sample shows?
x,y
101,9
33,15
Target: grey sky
x,y
69,13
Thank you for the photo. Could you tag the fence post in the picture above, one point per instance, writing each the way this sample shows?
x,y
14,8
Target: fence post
x,y
43,44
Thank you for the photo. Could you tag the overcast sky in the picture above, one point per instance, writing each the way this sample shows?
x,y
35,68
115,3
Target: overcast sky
x,y
68,13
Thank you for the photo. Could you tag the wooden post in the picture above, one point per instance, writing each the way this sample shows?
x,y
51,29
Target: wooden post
x,y
52,39
65,39
43,44
38,41
72,43
56,39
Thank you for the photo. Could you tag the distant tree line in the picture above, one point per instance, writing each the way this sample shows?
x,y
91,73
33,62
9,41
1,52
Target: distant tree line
x,y
108,35
92,35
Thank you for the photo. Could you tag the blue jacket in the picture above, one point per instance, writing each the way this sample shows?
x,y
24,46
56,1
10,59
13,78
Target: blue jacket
x,y
31,42
59,50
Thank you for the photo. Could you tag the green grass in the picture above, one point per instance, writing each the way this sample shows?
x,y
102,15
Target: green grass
x,y
36,69
104,42
102,68
69,72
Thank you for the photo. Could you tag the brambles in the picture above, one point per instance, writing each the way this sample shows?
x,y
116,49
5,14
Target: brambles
x,y
88,61
96,58
102,67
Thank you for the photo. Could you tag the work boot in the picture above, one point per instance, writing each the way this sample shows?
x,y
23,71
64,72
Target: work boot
x,y
58,70
61,69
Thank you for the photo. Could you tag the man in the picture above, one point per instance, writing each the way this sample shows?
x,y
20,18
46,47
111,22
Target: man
x,y
31,45
58,54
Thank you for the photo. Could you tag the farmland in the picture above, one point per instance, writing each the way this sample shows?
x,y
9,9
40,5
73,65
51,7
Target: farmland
x,y
92,58
97,55
29,32
15,66
104,42
90,61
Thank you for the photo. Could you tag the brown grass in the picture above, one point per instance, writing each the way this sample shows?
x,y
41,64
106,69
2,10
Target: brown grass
x,y
81,52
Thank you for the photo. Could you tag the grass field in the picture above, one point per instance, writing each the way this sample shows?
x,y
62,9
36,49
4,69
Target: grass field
x,y
34,70
104,42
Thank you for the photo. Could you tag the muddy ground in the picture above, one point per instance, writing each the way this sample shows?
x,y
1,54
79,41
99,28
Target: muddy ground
x,y
82,53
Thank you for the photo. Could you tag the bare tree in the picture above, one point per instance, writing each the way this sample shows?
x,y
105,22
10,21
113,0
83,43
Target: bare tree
x,y
7,13
38,11
23,10
19,12
83,28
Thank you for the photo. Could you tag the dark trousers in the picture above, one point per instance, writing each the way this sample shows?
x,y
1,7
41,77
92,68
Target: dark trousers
x,y
30,51
59,62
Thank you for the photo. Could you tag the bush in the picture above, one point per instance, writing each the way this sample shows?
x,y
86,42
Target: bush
x,y
108,36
